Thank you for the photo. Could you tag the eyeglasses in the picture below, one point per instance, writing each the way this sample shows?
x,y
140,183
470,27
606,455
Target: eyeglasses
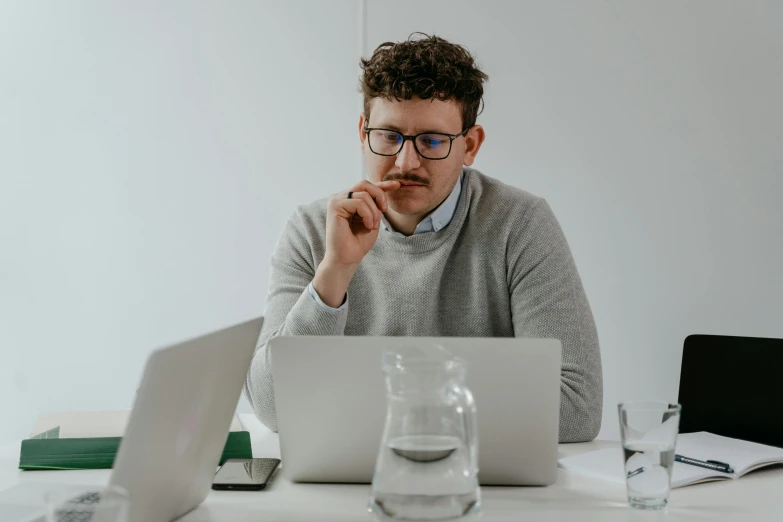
x,y
429,145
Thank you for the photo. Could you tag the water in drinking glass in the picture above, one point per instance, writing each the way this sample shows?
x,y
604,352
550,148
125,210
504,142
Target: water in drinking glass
x,y
648,471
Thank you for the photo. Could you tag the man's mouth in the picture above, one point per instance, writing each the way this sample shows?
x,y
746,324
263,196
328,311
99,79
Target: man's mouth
x,y
410,184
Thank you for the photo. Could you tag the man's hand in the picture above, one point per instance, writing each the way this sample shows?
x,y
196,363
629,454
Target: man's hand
x,y
352,227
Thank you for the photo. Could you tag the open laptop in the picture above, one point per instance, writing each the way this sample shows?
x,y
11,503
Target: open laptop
x,y
731,386
180,421
331,405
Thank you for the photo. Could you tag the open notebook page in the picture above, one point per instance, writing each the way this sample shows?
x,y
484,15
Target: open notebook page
x,y
743,457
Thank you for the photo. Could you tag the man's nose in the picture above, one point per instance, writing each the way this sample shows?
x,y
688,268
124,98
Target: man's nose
x,y
407,158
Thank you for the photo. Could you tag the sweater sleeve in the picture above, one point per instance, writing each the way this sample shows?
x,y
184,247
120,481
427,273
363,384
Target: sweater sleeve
x,y
290,310
549,301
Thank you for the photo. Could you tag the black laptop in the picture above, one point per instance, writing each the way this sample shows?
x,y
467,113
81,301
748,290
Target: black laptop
x,y
733,386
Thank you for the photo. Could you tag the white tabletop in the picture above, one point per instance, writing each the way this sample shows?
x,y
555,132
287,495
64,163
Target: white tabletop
x,y
757,496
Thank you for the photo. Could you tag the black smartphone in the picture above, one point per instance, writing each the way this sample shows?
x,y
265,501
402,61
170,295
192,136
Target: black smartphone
x,y
245,474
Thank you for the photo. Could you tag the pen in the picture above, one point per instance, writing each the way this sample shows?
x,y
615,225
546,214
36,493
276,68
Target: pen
x,y
710,464
635,472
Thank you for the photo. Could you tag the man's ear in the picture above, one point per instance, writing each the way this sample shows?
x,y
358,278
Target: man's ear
x,y
362,134
473,140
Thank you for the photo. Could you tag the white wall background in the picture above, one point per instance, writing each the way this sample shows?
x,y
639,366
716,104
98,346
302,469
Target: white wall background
x,y
149,155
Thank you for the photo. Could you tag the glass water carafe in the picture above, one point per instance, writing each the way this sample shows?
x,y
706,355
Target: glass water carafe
x,y
428,460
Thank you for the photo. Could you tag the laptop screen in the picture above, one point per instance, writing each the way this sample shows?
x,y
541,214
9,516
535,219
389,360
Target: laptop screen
x,y
732,386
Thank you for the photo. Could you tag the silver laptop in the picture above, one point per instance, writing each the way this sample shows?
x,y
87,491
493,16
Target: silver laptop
x,y
178,426
331,405
180,420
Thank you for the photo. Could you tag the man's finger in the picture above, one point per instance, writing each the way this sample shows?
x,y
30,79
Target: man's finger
x,y
376,192
367,198
352,206
388,186
388,183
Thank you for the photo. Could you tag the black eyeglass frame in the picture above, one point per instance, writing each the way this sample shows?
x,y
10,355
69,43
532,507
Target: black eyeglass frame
x,y
405,138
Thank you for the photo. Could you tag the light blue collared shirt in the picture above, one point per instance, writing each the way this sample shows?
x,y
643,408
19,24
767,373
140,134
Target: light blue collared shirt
x,y
435,222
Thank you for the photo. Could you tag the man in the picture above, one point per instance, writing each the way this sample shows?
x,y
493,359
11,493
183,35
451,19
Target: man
x,y
427,246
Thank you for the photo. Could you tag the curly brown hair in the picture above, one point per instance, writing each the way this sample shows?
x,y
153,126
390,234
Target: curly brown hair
x,y
430,67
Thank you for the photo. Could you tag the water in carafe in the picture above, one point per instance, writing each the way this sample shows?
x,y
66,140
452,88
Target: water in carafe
x,y
428,460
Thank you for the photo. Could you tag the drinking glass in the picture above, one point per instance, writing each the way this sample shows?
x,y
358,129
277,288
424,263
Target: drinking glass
x,y
70,504
649,434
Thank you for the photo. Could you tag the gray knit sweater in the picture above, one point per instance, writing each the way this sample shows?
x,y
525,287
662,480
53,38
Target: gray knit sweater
x,y
501,268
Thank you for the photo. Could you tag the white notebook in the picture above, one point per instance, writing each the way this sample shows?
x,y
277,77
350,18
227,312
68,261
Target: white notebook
x,y
743,457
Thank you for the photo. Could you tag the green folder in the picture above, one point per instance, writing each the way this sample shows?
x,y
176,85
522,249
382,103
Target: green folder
x,y
99,452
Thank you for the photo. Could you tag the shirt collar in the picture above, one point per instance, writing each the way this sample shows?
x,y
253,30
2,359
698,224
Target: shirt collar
x,y
438,218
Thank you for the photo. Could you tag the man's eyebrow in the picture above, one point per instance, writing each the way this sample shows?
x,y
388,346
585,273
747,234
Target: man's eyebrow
x,y
395,128
385,126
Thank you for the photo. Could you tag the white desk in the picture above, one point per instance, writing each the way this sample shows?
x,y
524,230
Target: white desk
x,y
575,497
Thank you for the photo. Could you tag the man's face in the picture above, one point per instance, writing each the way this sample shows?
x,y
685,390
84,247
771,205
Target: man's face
x,y
425,183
